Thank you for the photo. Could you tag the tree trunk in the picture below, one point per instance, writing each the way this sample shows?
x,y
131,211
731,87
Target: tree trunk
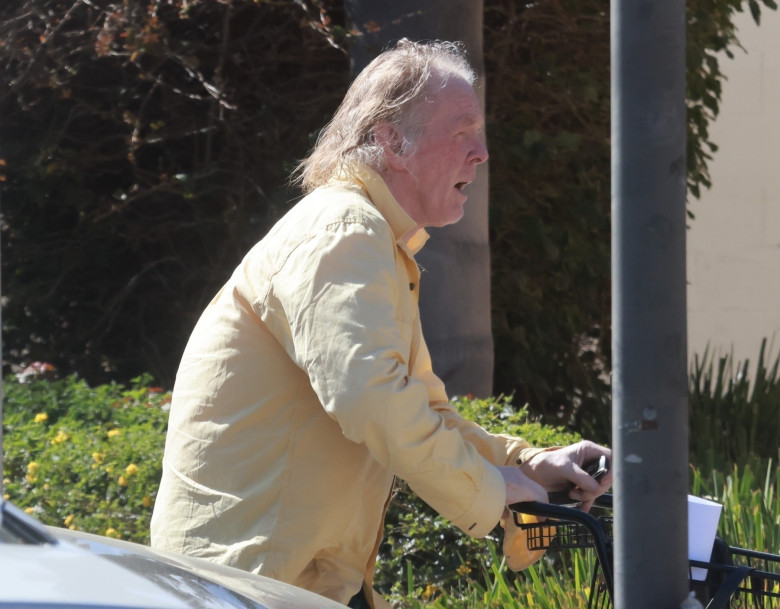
x,y
455,291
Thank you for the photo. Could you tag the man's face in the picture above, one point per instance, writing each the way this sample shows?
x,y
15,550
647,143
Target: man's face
x,y
434,173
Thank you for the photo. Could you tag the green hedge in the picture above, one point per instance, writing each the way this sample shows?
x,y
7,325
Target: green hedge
x,y
86,458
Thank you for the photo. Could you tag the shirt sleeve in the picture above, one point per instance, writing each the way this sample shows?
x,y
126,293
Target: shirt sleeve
x,y
498,449
339,293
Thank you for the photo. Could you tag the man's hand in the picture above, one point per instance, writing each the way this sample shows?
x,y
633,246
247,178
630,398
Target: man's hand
x,y
556,470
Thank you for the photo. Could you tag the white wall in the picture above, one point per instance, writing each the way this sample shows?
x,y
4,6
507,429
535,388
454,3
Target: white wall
x,y
734,241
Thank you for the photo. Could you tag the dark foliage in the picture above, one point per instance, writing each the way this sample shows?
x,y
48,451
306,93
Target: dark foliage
x,y
548,120
146,146
548,111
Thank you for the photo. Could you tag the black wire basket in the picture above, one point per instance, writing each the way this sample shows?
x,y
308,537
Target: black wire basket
x,y
743,578
736,578
559,535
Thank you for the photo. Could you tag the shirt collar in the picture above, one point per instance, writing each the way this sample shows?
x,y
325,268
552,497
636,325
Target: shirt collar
x,y
408,235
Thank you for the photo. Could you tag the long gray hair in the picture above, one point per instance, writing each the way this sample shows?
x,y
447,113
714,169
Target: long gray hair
x,y
388,89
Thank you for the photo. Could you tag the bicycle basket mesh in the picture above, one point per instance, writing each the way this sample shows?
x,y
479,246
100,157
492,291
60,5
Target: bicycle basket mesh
x,y
558,534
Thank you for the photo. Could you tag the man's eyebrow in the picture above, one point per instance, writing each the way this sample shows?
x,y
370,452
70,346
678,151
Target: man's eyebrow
x,y
469,120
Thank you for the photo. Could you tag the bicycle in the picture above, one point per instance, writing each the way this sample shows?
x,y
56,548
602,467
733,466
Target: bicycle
x,y
737,578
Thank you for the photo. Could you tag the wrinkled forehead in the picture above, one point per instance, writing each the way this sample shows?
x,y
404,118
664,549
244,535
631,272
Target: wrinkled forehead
x,y
455,103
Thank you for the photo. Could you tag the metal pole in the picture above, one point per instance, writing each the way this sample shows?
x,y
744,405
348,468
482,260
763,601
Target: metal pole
x,y
650,379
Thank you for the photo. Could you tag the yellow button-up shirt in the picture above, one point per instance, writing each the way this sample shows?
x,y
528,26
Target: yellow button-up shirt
x,y
306,386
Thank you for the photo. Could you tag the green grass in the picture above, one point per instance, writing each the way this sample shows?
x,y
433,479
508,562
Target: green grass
x,y
751,506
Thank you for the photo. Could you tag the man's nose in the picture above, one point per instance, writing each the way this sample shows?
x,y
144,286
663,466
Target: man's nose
x,y
480,152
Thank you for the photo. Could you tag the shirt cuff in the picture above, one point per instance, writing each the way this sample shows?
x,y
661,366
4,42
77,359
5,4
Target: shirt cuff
x,y
483,515
526,454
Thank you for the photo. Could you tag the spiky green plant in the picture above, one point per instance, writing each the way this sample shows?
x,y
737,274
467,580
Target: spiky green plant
x,y
734,411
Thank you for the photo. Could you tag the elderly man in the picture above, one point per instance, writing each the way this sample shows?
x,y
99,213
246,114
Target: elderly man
x,y
307,387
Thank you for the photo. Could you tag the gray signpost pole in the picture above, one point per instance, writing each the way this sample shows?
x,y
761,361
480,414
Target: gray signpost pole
x,y
650,385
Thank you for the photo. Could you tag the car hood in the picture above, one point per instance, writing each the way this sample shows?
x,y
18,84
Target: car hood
x,y
187,577
54,567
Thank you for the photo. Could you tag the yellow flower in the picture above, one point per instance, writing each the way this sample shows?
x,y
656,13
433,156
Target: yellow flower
x,y
41,417
98,457
463,570
122,481
60,437
6,496
32,472
69,520
29,510
146,501
112,532
429,591
131,469
113,432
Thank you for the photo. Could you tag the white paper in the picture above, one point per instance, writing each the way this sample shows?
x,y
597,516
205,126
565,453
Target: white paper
x,y
703,518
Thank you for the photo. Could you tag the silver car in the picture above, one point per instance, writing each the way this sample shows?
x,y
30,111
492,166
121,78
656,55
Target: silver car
x,y
55,568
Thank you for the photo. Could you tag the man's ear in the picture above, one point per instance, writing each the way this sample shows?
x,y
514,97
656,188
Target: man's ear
x,y
389,137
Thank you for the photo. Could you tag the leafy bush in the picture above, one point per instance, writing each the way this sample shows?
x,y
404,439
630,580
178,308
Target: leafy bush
x,y
145,147
82,457
548,123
